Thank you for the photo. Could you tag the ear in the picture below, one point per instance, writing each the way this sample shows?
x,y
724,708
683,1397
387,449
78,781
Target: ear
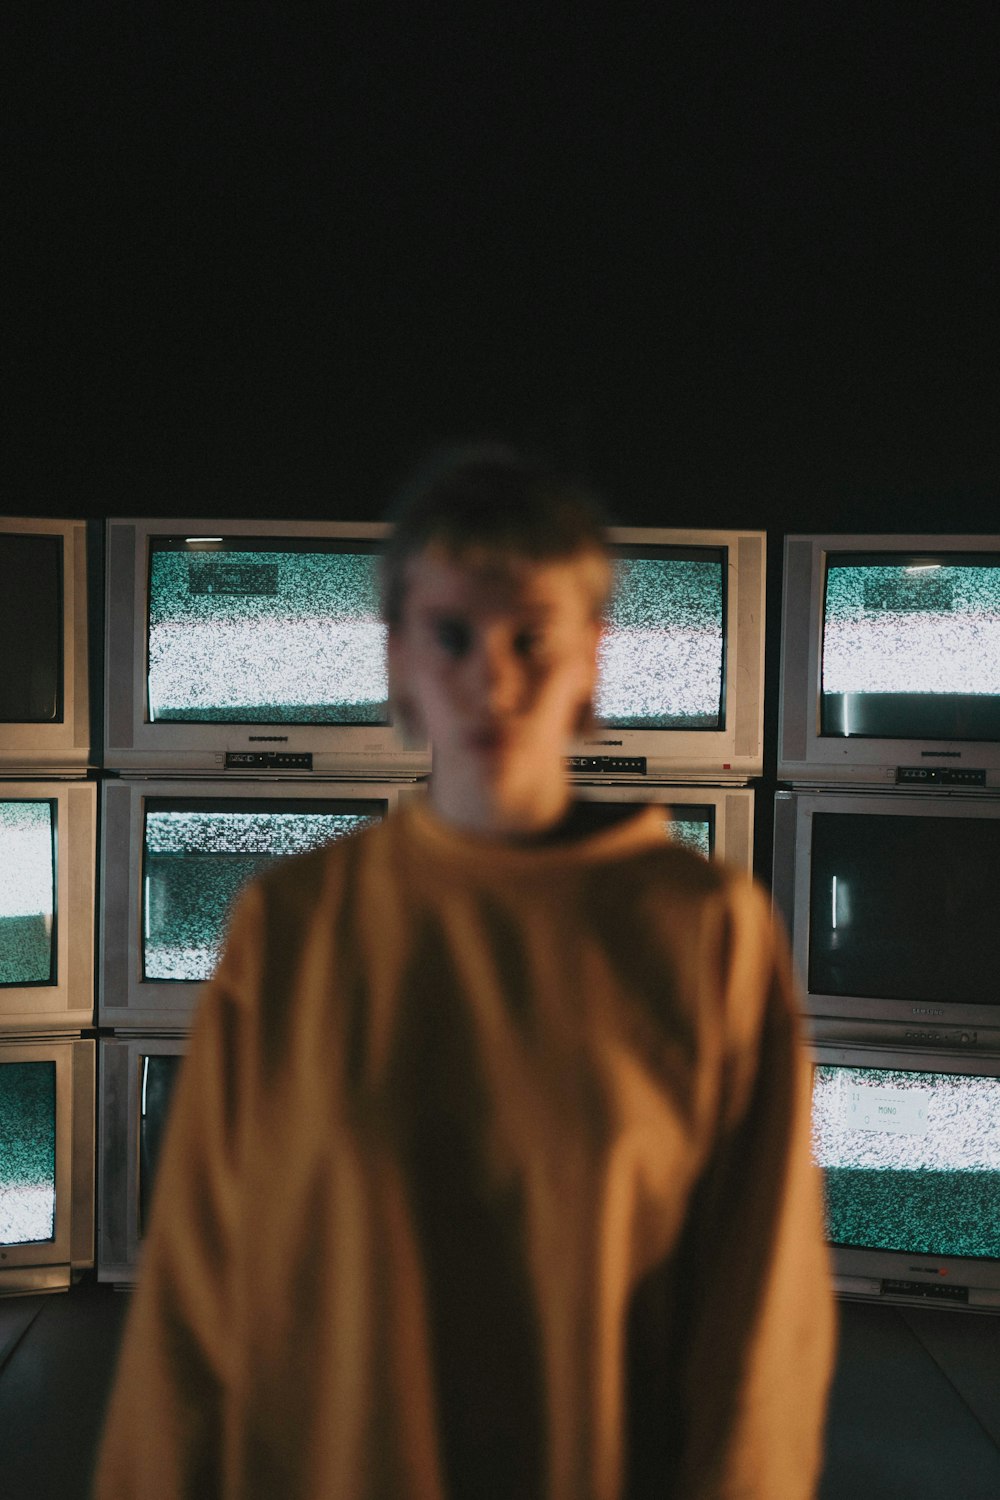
x,y
586,720
587,717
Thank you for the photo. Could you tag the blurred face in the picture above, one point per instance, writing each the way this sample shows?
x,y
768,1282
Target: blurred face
x,y
498,667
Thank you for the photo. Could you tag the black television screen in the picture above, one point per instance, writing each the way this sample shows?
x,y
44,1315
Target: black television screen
x,y
198,853
911,646
662,655
27,1152
31,628
160,1072
27,891
911,1159
265,630
904,907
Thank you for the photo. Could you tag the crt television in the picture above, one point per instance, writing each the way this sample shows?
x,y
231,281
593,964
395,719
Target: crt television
x,y
681,687
890,661
47,1153
249,648
174,854
48,866
890,900
136,1081
716,822
909,1146
44,676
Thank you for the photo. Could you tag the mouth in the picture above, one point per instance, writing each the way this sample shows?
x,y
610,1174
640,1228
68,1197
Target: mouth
x,y
488,739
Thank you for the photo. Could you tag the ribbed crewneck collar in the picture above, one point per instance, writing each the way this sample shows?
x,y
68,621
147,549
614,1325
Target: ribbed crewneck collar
x,y
631,835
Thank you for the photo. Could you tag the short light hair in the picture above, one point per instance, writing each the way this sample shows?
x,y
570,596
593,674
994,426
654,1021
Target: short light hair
x,y
490,506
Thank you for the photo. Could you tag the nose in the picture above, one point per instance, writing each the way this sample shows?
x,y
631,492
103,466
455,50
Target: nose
x,y
499,675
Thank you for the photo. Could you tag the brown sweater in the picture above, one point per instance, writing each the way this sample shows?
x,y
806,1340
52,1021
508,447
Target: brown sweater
x,y
487,1175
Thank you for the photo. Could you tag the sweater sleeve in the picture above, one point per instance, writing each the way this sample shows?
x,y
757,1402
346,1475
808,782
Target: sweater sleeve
x,y
752,1296
165,1424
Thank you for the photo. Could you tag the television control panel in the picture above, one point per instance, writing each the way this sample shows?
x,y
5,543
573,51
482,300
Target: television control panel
x,y
268,760
939,776
606,765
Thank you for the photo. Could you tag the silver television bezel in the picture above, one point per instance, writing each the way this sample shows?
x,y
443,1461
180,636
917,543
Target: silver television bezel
x,y
67,1005
126,1001
804,755
133,744
860,1273
63,747
729,755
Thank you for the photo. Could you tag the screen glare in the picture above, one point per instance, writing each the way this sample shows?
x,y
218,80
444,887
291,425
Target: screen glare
x,y
159,1074
661,659
253,634
27,1152
195,863
911,1160
27,892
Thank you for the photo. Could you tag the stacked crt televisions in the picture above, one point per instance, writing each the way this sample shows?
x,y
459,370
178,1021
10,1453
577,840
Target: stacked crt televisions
x,y
680,688
48,814
247,720
886,860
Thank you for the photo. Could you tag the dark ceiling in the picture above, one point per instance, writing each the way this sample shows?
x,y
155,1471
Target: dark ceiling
x,y
736,263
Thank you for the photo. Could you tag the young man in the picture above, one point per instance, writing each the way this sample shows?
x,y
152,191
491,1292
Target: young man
x,y
488,1174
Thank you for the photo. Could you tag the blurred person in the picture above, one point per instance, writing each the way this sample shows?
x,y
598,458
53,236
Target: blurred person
x,y
488,1173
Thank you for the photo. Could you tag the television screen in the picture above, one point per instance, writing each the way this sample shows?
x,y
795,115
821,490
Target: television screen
x,y
662,655
904,907
174,854
47,870
911,646
27,891
160,1072
138,1076
911,1159
31,628
47,1161
688,824
890,661
198,853
250,648
27,1152
265,630
694,827
46,568
680,685
887,899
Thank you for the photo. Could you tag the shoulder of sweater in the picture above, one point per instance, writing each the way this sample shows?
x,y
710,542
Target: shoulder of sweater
x,y
299,880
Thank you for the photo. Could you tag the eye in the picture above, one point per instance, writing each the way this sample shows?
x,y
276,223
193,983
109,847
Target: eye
x,y
528,643
452,636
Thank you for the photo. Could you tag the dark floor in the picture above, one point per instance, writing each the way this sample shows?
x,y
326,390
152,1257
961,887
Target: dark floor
x,y
915,1412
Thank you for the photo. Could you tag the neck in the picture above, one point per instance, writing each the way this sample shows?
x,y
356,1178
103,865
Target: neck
x,y
505,815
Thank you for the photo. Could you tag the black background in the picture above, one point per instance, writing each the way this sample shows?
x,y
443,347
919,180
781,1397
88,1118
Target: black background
x,y
737,263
